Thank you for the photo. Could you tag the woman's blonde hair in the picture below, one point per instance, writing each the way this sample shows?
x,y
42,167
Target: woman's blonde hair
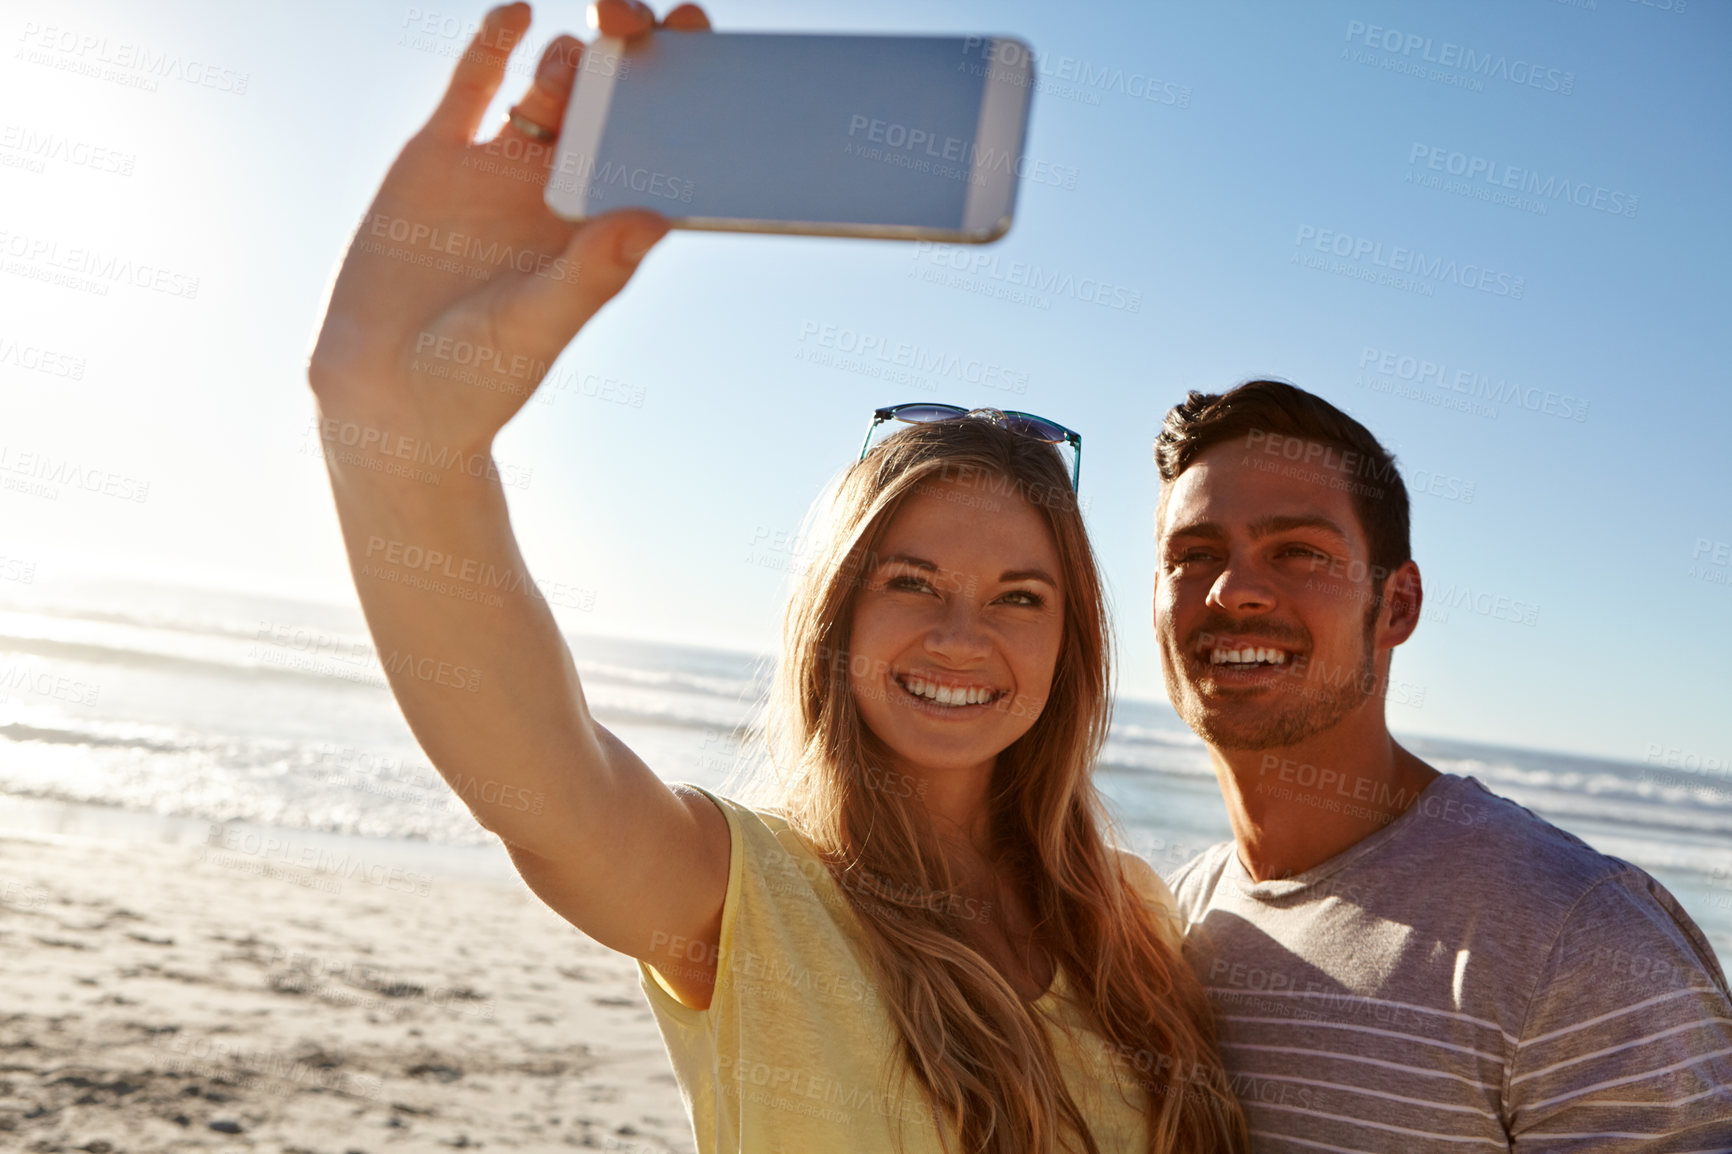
x,y
975,1046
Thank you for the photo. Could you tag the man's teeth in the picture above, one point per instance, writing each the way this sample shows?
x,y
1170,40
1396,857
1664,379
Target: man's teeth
x,y
1247,657
944,695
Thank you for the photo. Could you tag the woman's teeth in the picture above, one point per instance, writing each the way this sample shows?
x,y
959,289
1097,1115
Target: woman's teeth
x,y
1247,657
944,695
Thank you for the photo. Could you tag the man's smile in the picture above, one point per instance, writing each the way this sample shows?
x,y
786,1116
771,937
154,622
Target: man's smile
x,y
1247,656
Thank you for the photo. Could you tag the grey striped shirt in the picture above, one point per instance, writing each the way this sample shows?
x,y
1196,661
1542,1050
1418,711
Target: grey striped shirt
x,y
1469,978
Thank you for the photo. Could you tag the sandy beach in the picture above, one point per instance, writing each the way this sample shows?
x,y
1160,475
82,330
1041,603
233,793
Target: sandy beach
x,y
173,997
239,911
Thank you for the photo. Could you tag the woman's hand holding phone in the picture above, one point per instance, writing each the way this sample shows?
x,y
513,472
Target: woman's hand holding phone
x,y
458,292
461,288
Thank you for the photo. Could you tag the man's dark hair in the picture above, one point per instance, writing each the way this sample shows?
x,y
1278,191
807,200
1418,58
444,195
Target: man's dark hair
x,y
1265,415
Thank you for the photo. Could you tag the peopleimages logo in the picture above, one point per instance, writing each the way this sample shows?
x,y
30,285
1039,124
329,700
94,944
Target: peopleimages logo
x,y
1072,78
136,65
1463,64
88,269
962,266
41,360
46,472
1368,256
1474,170
917,358
948,156
38,147
1711,561
1472,383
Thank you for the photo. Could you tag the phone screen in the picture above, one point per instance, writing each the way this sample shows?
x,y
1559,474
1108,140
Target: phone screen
x,y
729,129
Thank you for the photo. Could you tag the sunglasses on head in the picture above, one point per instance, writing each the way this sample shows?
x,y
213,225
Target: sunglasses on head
x,y
1023,424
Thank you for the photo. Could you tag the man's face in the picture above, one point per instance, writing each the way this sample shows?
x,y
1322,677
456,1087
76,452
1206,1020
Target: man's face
x,y
1263,597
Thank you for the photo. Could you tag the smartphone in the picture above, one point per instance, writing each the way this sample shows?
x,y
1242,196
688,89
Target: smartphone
x,y
894,137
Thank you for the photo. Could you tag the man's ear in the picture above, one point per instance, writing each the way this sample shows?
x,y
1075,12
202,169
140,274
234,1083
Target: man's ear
x,y
1403,598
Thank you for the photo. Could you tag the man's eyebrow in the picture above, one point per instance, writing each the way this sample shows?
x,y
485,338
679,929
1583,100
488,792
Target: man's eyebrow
x,y
1266,526
1198,529
1263,527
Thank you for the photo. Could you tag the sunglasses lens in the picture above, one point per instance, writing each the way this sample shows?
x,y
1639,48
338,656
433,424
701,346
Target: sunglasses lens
x,y
1022,424
918,412
1035,427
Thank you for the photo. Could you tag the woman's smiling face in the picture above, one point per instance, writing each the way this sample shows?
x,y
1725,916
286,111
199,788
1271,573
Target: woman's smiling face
x,y
957,627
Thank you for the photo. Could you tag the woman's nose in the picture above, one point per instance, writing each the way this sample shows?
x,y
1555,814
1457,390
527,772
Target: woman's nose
x,y
959,634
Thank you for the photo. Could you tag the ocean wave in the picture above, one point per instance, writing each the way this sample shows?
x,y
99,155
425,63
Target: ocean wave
x,y
310,654
1166,761
323,786
268,649
1175,737
286,723
733,688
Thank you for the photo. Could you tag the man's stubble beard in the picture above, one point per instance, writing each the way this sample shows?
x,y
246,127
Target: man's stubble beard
x,y
1300,710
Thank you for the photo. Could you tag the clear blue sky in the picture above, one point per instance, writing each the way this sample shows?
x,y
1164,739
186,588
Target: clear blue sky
x,y
1275,128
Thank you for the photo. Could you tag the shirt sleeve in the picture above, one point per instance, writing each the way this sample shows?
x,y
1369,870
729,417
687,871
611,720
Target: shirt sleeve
x,y
1628,1040
654,979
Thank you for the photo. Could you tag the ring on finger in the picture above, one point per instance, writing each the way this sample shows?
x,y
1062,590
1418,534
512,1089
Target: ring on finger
x,y
529,128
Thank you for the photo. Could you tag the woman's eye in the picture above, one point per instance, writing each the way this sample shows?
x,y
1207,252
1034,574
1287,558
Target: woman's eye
x,y
1024,597
908,583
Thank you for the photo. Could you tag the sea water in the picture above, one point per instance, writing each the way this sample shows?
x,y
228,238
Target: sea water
x,y
227,716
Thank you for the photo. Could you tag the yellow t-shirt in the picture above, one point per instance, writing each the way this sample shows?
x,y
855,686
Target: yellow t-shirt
x,y
797,1053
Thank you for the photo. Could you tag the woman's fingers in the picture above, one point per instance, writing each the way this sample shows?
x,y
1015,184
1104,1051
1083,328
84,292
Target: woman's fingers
x,y
622,18
687,18
482,67
600,258
544,104
478,73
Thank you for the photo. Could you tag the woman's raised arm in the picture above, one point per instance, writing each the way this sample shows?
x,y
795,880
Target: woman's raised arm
x,y
458,291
